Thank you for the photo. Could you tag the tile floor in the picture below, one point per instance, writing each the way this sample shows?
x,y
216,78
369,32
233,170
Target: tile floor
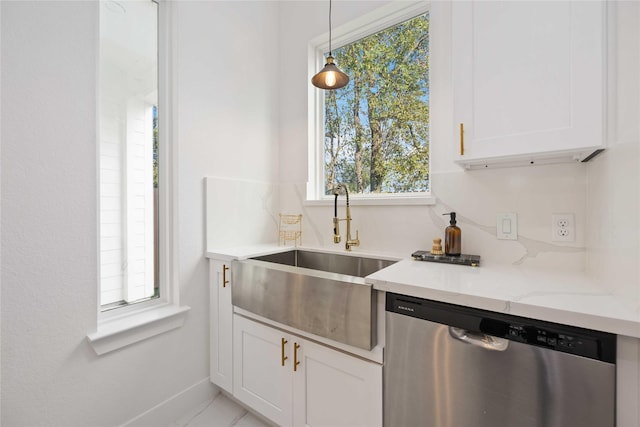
x,y
219,412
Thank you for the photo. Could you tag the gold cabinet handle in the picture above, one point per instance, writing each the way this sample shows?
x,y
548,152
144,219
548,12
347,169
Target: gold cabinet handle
x,y
224,276
462,139
283,342
296,362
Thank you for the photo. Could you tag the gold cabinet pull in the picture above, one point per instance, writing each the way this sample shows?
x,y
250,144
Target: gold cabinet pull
x,y
283,342
224,276
462,139
296,362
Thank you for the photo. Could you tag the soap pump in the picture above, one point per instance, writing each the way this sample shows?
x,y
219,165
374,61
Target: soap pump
x,y
452,237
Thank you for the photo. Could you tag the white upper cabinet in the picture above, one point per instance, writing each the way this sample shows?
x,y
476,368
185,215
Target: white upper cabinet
x,y
528,81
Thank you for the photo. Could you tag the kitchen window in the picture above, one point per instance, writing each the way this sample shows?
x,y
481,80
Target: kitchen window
x,y
373,134
128,152
137,283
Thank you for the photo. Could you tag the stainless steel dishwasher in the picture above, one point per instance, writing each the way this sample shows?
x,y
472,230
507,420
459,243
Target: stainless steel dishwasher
x,y
452,366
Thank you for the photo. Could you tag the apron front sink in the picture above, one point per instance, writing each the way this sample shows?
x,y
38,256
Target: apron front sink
x,y
321,293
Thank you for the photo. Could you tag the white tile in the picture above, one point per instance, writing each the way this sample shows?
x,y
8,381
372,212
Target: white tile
x,y
249,420
221,412
191,414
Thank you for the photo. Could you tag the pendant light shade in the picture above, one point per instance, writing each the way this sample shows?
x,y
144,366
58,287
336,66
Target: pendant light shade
x,y
330,77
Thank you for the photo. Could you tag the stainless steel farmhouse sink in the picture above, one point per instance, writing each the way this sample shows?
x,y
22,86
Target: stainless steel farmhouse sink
x,y
318,292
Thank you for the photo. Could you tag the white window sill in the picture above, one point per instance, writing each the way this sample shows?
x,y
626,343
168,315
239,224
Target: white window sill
x,y
375,201
122,331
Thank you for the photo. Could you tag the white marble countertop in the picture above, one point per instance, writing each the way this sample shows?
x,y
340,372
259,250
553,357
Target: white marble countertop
x,y
244,252
571,299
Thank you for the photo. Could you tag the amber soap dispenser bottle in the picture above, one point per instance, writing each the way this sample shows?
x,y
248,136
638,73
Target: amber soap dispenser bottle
x,y
452,237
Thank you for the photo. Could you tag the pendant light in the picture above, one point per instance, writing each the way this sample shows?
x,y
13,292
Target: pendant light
x,y
330,77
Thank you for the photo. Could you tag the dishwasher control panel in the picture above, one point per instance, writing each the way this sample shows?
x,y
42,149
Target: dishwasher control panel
x,y
567,339
552,339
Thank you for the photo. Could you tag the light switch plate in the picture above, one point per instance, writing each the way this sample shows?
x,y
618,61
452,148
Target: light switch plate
x,y
507,226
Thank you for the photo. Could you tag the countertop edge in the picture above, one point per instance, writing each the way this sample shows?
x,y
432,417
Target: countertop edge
x,y
243,252
623,322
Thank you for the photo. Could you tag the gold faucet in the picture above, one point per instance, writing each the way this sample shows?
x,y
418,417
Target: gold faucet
x,y
336,221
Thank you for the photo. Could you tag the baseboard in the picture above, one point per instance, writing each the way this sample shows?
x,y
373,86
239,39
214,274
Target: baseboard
x,y
174,407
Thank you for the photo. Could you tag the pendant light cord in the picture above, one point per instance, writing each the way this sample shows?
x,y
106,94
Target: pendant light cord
x,y
330,28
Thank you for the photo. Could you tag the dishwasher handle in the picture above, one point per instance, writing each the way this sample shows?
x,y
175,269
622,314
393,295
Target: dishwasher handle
x,y
479,339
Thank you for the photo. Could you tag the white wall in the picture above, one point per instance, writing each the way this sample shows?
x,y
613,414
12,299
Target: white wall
x,y
613,179
533,193
229,117
50,374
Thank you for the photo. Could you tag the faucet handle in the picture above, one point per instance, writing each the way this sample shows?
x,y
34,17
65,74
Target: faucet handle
x,y
351,242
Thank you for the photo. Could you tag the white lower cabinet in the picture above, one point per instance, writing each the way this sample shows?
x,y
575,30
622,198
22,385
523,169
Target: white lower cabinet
x,y
221,317
259,379
296,382
336,389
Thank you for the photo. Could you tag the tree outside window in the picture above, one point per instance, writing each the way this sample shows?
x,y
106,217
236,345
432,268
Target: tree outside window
x,y
376,135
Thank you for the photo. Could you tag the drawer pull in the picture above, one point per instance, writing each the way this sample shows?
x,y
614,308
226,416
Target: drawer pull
x,y
224,276
283,342
296,362
462,139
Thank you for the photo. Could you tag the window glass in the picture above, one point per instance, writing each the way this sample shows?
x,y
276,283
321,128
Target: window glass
x,y
376,129
128,152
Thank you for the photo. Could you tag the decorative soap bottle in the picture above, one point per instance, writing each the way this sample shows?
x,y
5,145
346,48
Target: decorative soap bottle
x,y
452,237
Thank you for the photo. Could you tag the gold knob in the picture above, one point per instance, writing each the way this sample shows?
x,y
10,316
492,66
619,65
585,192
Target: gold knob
x,y
283,342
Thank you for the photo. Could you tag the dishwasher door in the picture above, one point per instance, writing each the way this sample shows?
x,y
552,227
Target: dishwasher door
x,y
433,378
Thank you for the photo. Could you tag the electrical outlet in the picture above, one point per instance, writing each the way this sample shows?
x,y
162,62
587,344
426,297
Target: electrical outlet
x,y
563,228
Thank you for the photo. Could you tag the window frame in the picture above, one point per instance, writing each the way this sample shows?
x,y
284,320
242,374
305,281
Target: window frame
x,y
129,323
364,26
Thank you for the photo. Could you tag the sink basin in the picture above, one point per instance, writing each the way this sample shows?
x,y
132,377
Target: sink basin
x,y
321,293
330,262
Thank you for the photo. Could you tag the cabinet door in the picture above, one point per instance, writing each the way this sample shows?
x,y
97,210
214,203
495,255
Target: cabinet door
x,y
262,369
332,388
528,78
221,325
